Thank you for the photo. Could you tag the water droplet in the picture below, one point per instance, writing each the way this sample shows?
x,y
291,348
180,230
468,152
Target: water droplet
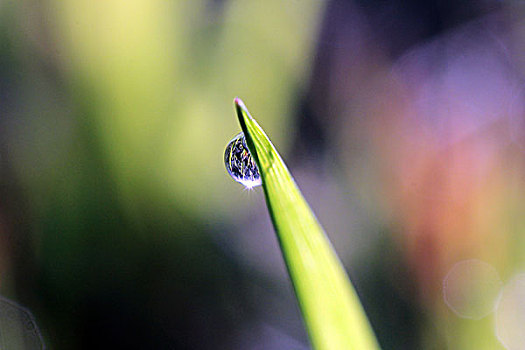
x,y
240,164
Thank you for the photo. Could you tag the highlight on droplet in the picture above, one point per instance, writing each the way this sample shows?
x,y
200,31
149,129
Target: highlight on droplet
x,y
510,314
471,289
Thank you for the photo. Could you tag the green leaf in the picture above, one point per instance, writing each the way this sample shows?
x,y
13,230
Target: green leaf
x,y
331,310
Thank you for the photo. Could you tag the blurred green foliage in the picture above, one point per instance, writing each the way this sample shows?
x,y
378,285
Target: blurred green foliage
x,y
116,117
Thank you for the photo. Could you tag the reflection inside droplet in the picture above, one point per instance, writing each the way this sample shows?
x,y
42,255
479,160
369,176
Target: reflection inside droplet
x,y
510,314
240,164
471,288
18,329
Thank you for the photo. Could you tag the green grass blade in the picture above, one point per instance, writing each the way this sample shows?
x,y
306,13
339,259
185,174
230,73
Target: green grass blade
x,y
331,310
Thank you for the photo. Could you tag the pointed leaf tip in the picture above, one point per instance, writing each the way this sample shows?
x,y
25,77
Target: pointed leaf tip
x,y
333,315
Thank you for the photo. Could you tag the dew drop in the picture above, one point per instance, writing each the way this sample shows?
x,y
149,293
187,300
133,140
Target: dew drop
x,y
240,164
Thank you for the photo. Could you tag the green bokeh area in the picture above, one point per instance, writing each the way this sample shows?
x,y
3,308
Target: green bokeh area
x,y
115,115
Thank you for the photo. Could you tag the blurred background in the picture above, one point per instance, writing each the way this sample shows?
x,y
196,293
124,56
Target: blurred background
x,y
403,122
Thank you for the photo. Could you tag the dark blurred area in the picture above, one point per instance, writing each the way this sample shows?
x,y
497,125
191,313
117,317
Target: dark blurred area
x,y
402,121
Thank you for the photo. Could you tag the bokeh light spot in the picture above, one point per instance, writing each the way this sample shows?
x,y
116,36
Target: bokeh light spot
x,y
510,314
471,288
18,329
